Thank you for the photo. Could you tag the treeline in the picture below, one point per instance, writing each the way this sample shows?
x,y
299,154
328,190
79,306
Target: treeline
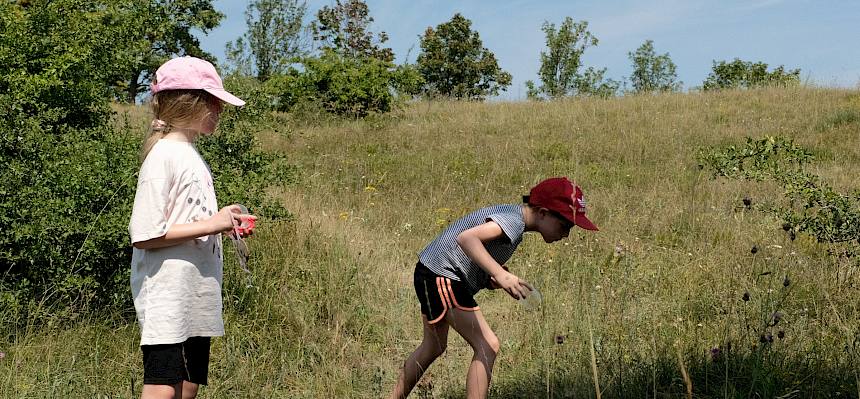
x,y
337,63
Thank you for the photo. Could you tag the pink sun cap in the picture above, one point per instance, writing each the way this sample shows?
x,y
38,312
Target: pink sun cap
x,y
192,73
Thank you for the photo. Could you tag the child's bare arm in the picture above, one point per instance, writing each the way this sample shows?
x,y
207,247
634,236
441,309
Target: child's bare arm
x,y
221,222
472,241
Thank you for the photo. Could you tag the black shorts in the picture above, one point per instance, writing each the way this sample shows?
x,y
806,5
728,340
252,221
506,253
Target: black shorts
x,y
171,364
437,294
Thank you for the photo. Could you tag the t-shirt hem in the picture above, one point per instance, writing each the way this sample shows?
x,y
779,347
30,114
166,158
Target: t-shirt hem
x,y
176,340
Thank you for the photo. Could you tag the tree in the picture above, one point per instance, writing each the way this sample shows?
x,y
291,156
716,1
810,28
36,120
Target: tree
x,y
164,30
652,72
344,29
454,62
273,40
746,75
560,73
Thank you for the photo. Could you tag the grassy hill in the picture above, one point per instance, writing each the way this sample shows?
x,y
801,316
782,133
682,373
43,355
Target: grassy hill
x,y
651,304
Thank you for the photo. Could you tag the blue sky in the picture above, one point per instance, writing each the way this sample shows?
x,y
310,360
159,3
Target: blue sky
x,y
819,37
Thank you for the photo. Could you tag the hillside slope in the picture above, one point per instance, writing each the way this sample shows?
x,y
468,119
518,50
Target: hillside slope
x,y
331,311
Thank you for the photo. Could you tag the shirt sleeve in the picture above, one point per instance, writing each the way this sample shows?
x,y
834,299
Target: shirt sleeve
x,y
149,215
512,225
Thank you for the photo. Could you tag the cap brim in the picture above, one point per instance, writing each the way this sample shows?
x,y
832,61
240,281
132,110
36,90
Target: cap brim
x,y
225,96
586,224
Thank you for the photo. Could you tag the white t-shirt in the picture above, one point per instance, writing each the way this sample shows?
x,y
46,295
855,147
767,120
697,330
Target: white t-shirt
x,y
177,289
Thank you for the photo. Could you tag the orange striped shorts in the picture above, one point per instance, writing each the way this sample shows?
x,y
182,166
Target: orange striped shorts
x,y
437,294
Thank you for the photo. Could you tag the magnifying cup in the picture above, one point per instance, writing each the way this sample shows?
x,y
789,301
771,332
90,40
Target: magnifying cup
x,y
532,300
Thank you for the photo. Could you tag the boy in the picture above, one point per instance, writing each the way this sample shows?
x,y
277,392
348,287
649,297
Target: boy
x,y
469,256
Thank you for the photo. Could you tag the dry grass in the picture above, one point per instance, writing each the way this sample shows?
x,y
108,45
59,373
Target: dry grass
x,y
332,312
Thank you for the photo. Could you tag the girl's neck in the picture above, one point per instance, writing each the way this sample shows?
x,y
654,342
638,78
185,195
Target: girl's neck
x,y
181,134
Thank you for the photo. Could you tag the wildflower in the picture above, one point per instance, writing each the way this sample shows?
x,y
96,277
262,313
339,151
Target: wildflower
x,y
746,296
2,355
776,317
716,353
786,281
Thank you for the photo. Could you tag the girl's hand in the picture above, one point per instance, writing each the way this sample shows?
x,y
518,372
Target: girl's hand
x,y
513,285
230,217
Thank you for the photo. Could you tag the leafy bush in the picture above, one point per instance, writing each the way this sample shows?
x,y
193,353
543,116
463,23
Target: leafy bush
x,y
353,87
67,182
240,168
652,72
70,166
813,207
744,74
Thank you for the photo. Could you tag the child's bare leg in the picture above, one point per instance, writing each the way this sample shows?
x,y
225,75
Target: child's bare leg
x,y
432,346
189,390
183,390
154,391
476,331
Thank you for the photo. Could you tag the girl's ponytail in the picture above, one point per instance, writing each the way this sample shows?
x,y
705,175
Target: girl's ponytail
x,y
157,129
180,109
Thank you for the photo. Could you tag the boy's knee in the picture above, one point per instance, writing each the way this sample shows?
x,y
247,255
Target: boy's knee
x,y
490,347
494,344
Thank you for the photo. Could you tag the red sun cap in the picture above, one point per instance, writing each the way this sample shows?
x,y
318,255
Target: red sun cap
x,y
559,195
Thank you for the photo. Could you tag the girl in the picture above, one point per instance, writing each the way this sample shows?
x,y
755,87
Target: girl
x,y
469,256
176,228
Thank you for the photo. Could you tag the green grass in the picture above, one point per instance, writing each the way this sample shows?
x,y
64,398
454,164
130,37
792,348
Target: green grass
x,y
331,312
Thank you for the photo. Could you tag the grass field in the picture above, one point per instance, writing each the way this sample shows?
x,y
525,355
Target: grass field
x,y
652,305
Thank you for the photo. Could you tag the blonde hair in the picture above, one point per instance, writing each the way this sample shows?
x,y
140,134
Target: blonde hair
x,y
181,109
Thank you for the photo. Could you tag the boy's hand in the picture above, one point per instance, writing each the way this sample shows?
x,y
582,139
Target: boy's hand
x,y
513,285
493,284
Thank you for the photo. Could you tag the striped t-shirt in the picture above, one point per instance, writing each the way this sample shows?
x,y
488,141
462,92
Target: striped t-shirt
x,y
444,256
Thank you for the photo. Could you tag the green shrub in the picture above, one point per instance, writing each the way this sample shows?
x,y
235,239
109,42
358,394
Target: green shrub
x,y
68,181
746,75
811,206
241,169
354,87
